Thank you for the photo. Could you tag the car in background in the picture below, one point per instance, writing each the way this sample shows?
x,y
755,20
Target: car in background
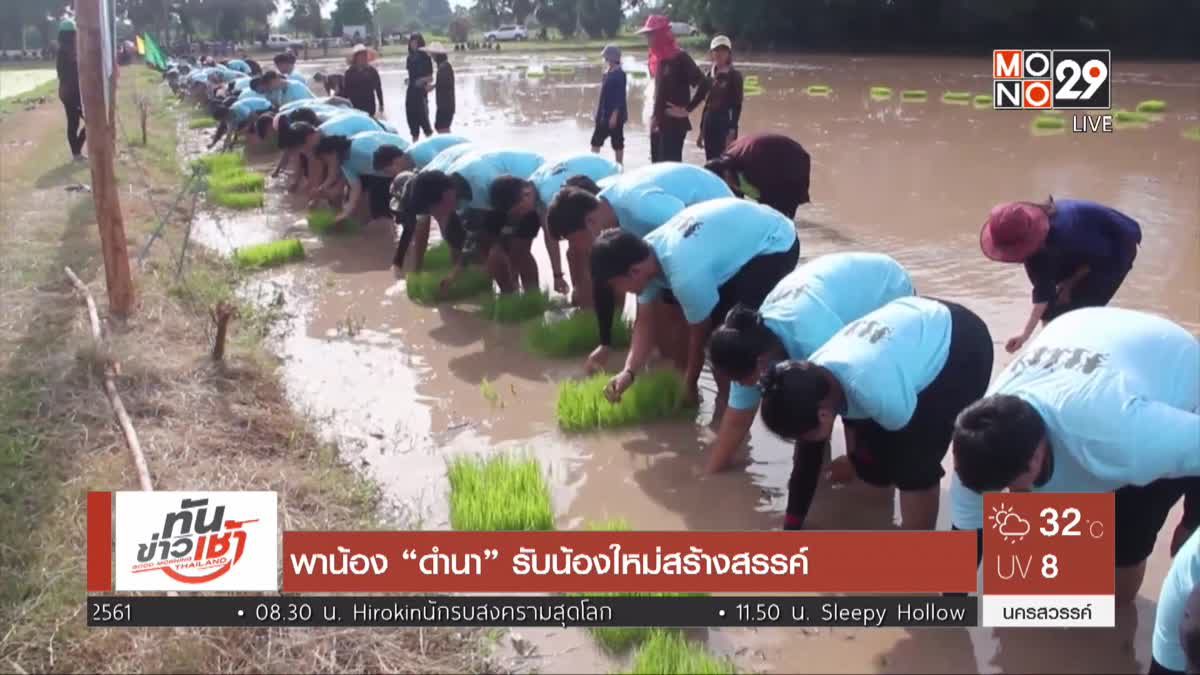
x,y
506,34
684,28
282,42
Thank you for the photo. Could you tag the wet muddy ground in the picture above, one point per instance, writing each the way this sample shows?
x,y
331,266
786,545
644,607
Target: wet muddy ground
x,y
399,385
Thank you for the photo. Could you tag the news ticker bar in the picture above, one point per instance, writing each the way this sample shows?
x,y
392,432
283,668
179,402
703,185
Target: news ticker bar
x,y
532,611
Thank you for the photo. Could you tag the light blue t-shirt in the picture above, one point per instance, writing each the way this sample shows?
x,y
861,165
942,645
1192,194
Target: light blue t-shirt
x,y
1177,587
323,111
329,101
290,93
646,198
199,75
446,158
885,359
1118,392
347,124
705,245
242,84
481,169
241,110
423,152
361,160
296,77
239,65
810,305
227,74
551,176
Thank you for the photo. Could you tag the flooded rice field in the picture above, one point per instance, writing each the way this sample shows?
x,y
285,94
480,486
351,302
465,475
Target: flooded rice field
x,y
399,386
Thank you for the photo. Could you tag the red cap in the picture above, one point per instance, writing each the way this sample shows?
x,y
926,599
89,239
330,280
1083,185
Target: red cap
x,y
1014,231
655,23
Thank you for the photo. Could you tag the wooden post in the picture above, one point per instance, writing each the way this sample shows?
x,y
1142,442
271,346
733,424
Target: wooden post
x,y
101,142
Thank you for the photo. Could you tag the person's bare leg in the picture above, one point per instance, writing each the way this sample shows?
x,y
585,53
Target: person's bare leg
x,y
521,253
919,508
596,150
1129,582
500,268
675,333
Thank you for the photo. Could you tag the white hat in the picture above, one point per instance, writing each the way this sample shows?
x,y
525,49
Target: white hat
x,y
721,41
436,48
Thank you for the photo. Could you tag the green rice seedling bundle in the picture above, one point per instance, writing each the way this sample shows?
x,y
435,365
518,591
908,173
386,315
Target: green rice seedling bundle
x,y
499,494
561,70
1049,123
668,652
202,123
424,287
818,90
1131,117
237,181
515,307
221,162
269,255
656,395
239,201
956,97
879,93
575,335
534,74
437,258
1192,134
914,95
1152,106
983,101
323,221
751,86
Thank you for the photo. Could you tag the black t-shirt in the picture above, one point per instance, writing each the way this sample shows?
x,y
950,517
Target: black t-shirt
x,y
419,65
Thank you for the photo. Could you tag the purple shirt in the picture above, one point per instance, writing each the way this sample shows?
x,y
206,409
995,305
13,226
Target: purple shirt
x,y
1082,233
612,97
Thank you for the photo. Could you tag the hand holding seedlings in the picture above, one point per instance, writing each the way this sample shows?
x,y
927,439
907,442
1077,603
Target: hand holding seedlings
x,y
618,385
597,360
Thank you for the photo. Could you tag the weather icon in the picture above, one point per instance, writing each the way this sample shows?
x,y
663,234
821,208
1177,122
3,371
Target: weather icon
x,y
1010,525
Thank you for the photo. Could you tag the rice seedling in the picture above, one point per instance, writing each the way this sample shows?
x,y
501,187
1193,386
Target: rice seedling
x,y
534,74
638,74
515,307
217,163
914,95
489,393
323,221
1152,106
437,258
1131,117
424,287
1049,123
561,70
983,101
239,201
668,652
818,90
202,123
237,181
582,406
1192,134
575,335
879,93
956,97
269,255
499,494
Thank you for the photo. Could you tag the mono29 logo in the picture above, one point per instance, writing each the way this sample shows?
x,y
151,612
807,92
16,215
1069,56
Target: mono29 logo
x,y
1051,79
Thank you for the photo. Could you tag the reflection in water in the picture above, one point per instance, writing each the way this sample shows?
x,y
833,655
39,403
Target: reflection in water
x,y
911,180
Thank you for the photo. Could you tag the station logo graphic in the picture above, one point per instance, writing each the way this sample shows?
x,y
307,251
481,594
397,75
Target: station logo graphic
x,y
196,541
1051,79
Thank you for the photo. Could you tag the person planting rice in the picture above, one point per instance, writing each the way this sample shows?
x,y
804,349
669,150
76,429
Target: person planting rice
x,y
612,110
522,203
771,169
301,140
638,202
239,65
675,74
800,315
364,160
1175,648
285,63
236,117
898,376
434,193
710,257
414,223
280,91
1104,400
421,153
723,106
508,252
1076,254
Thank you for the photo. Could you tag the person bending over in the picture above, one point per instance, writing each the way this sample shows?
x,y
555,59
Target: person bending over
x,y
771,169
363,163
1175,648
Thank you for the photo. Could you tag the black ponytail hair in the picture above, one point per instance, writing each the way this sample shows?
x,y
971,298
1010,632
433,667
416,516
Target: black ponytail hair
x,y
256,84
262,125
293,135
736,346
339,145
584,183
307,115
792,395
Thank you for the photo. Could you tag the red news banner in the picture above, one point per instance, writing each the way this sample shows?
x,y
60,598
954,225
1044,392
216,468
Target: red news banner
x,y
627,562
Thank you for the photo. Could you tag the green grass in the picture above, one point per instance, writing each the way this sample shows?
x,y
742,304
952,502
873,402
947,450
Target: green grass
x,y
499,494
1131,117
818,90
423,287
914,95
575,335
668,652
581,404
1192,134
983,101
237,181
1049,123
956,97
880,93
515,307
202,123
269,255
1152,106
323,221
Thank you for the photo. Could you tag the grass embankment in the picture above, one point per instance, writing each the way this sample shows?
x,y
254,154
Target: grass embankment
x,y
201,425
655,395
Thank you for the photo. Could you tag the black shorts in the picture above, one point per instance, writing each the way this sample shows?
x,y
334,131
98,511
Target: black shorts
x,y
757,278
526,228
911,458
603,132
1141,511
379,192
443,119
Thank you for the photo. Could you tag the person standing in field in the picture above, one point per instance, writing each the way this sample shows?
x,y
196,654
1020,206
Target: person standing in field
x,y
443,89
612,111
420,81
361,83
723,108
675,74
68,87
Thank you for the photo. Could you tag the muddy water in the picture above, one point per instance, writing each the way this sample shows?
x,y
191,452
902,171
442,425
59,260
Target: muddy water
x,y
400,385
